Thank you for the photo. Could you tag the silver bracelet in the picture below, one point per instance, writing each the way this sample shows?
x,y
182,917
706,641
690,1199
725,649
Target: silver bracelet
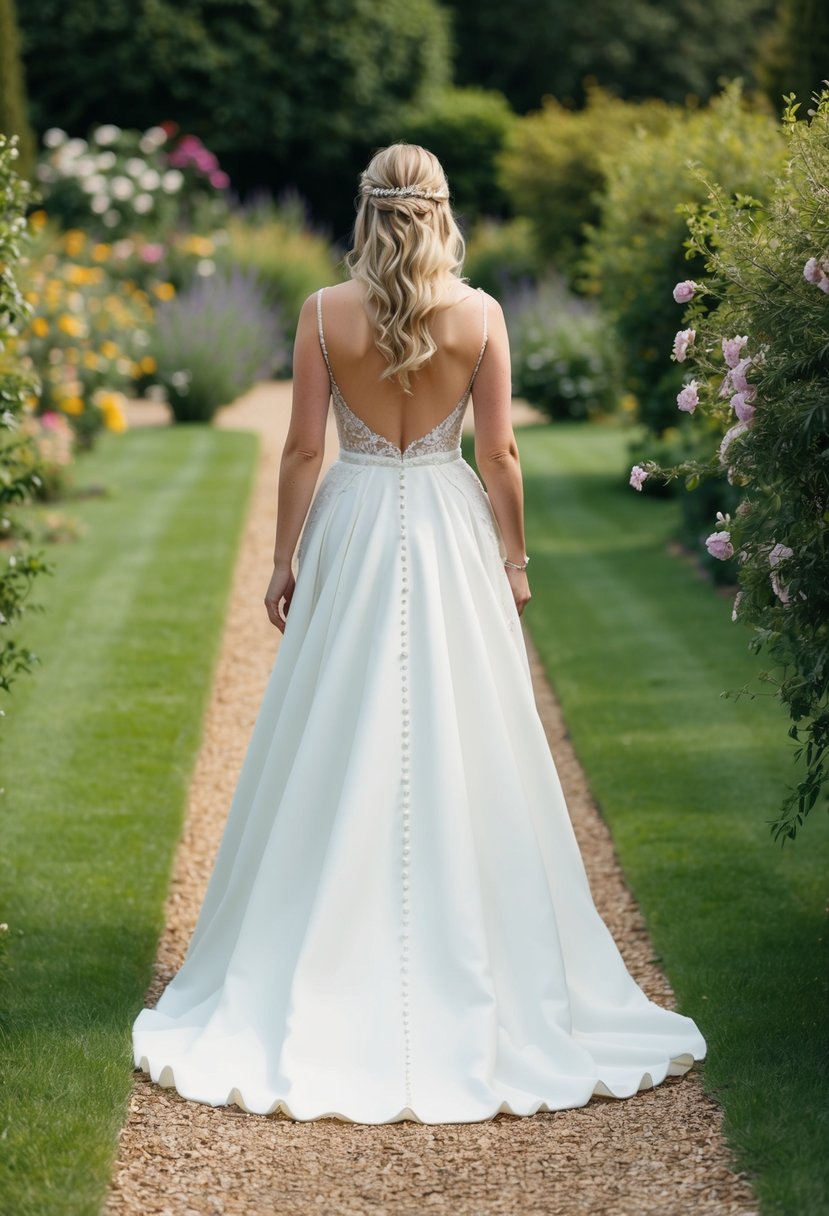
x,y
515,566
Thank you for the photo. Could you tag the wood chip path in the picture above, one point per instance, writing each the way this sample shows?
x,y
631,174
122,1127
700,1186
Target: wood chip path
x,y
659,1152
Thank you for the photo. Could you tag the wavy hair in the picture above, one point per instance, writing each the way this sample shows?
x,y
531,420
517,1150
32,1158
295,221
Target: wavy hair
x,y
404,245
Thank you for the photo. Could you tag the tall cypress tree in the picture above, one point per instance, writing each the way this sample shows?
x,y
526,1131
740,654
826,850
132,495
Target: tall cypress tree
x,y
14,115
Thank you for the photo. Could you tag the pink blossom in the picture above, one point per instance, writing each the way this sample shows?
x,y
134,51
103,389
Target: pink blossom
x,y
742,409
151,252
813,271
688,398
731,348
50,419
738,378
823,284
684,291
638,476
779,554
719,545
738,429
219,179
681,343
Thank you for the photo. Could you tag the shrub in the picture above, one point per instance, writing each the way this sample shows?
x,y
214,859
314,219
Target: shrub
x,y
290,257
760,358
501,255
562,360
19,389
212,342
466,129
552,167
636,252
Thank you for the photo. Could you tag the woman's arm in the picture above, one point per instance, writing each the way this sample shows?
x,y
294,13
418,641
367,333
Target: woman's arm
x,y
496,452
301,456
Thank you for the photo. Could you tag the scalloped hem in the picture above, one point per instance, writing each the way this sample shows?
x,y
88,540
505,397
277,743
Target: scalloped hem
x,y
677,1066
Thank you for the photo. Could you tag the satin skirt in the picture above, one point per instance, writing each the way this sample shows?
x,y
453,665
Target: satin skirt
x,y
399,924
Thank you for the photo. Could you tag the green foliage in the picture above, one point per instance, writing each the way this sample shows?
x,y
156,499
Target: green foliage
x,y
794,53
636,254
213,342
768,276
14,118
501,255
19,388
291,258
281,90
562,357
466,129
637,48
553,168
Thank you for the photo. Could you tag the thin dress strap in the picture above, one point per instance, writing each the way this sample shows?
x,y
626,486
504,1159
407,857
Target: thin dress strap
x,y
483,343
322,336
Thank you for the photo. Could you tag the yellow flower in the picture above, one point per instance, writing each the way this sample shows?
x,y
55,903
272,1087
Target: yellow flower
x,y
91,360
628,403
110,349
164,291
73,326
74,241
101,251
71,354
148,365
38,218
72,405
40,327
201,246
32,297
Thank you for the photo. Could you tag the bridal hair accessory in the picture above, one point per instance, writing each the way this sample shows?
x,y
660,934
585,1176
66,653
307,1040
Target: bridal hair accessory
x,y
405,192
516,566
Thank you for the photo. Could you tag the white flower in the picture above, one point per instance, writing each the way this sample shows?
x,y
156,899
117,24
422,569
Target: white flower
x,y
75,148
135,166
112,218
54,137
150,180
205,267
738,429
143,203
94,184
99,204
152,138
45,173
84,166
122,188
105,160
107,134
172,180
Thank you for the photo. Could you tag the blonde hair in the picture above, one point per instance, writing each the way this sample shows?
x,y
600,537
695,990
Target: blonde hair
x,y
406,240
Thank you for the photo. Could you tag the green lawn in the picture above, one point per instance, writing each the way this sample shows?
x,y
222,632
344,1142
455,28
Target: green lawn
x,y
639,648
97,750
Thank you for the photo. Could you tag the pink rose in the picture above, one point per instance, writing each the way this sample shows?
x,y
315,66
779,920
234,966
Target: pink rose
x,y
738,377
719,545
731,348
684,291
681,343
688,398
219,179
151,252
813,271
742,409
738,429
779,554
823,284
638,476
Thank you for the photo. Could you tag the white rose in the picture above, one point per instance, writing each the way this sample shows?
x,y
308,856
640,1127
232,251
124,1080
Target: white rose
x,y
172,180
121,187
136,166
75,147
143,203
54,137
95,184
149,180
107,134
99,204
152,138
105,160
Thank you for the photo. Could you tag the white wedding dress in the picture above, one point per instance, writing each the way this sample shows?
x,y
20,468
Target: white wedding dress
x,y
399,923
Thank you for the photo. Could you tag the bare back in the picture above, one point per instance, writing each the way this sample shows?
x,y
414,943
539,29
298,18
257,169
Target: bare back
x,y
458,327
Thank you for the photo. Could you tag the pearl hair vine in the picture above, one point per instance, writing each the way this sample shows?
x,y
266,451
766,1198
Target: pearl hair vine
x,y
404,192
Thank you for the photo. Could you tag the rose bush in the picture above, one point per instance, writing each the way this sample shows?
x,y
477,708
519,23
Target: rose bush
x,y
761,364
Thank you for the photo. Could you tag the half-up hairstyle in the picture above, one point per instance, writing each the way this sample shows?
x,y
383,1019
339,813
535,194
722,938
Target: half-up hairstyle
x,y
406,242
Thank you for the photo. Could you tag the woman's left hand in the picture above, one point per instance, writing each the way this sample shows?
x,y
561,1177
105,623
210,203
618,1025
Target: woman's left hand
x,y
281,587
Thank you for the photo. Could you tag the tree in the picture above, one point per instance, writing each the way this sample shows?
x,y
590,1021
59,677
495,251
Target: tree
x,y
284,91
14,119
636,48
794,54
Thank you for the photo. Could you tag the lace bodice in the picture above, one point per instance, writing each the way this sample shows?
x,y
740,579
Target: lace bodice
x,y
356,436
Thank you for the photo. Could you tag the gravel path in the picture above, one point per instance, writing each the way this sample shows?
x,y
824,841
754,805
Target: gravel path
x,y
659,1152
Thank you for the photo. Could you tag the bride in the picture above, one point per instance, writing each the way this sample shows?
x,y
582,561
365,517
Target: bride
x,y
398,924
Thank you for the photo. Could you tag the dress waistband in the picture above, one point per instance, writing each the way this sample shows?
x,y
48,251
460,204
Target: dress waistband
x,y
350,457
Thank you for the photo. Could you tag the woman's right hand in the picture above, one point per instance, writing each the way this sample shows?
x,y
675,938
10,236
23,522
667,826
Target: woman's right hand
x,y
520,586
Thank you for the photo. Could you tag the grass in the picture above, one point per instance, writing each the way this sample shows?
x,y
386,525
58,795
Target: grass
x,y
98,747
639,648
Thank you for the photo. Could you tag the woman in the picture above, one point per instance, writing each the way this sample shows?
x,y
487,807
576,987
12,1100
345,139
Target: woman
x,y
399,924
